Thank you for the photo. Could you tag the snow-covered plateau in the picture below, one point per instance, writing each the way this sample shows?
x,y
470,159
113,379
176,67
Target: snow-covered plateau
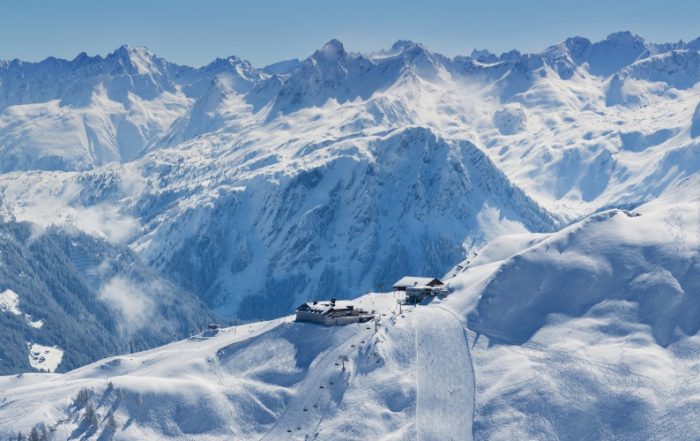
x,y
557,193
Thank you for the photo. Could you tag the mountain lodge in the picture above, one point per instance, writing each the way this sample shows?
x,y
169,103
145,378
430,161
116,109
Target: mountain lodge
x,y
418,288
328,314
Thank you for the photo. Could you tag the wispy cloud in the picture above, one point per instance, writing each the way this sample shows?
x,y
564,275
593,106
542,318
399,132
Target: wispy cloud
x,y
58,204
130,301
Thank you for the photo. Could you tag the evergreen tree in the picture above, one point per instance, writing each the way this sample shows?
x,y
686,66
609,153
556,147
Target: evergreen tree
x,y
44,433
90,417
111,423
82,397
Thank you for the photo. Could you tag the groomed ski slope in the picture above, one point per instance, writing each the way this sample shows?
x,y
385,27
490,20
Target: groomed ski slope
x,y
410,379
444,375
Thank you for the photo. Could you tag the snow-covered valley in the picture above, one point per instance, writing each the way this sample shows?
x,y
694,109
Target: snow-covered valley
x,y
557,192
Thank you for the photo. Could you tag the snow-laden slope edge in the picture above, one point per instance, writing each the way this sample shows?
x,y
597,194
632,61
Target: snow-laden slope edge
x,y
591,331
271,380
648,257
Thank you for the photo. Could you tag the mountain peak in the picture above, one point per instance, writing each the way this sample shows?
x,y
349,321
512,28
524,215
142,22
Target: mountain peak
x,y
136,58
483,55
127,51
511,55
402,44
623,37
230,61
332,50
694,44
576,46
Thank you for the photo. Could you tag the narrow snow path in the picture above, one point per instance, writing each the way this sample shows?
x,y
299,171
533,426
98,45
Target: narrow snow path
x,y
444,377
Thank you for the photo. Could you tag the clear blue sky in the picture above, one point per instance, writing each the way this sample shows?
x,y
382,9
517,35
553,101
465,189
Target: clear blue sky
x,y
195,32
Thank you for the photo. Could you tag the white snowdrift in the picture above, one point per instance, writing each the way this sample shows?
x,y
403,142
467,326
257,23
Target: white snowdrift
x,y
9,303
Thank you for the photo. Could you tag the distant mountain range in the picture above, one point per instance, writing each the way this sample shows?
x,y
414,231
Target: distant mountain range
x,y
246,191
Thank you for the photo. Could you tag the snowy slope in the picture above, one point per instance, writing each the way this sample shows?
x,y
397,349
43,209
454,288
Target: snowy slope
x,y
285,212
586,333
590,332
271,380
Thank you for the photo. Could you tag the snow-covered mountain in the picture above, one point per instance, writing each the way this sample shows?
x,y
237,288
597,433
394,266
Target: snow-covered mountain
x,y
89,111
587,332
255,189
83,298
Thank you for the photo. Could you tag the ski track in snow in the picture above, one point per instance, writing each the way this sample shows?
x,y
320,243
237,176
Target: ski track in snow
x,y
444,377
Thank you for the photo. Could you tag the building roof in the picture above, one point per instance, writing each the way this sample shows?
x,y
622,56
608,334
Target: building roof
x,y
318,307
411,281
329,309
420,288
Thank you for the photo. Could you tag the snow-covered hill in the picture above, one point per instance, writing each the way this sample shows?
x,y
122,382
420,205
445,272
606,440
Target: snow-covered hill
x,y
588,332
255,189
